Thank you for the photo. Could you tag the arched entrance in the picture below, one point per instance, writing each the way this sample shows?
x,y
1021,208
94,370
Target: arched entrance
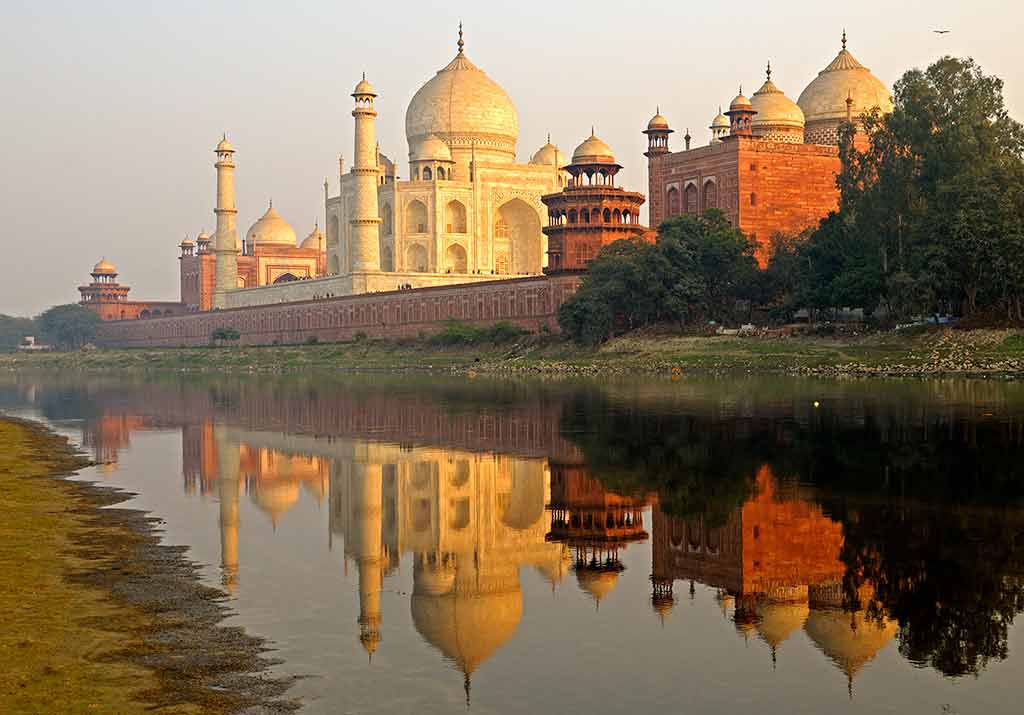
x,y
416,258
518,239
455,259
285,278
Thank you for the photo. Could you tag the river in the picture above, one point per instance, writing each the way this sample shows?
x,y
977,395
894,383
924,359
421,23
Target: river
x,y
424,543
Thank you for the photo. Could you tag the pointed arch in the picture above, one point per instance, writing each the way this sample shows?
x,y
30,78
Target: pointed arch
x,y
455,259
416,217
455,217
416,258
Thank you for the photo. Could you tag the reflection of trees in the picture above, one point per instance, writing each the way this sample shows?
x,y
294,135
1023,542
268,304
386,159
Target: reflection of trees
x,y
953,578
689,461
923,504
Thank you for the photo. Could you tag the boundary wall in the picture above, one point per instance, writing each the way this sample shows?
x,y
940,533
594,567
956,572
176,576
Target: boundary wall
x,y
530,303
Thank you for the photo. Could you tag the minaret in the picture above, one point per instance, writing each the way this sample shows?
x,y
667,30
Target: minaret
x,y
365,222
227,491
225,243
367,502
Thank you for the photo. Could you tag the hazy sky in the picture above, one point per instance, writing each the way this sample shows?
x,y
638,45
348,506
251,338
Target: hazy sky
x,y
111,110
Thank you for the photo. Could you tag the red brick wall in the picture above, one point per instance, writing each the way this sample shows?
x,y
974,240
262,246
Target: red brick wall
x,y
793,184
794,187
527,302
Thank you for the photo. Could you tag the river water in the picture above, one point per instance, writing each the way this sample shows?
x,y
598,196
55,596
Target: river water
x,y
703,545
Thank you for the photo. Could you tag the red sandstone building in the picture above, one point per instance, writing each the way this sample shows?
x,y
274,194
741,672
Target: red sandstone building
x,y
771,163
109,299
591,211
270,254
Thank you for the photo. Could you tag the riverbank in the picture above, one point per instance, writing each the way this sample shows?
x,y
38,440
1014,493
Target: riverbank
x,y
920,352
98,615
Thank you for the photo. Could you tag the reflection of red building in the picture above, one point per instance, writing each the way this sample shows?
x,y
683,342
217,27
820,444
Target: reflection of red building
x,y
595,523
109,434
771,546
777,560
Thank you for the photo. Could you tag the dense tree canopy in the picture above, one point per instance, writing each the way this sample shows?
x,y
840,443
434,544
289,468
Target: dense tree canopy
x,y
931,210
69,326
695,271
13,330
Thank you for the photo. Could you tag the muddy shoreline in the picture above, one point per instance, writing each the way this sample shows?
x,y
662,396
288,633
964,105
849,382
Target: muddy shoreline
x,y
199,663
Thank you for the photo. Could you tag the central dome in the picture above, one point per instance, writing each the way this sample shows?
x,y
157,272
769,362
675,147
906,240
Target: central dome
x,y
271,229
467,110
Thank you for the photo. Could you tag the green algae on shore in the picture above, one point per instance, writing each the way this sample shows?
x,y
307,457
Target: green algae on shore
x,y
99,616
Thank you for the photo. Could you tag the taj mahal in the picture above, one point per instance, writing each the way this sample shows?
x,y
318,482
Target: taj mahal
x,y
468,212
472,234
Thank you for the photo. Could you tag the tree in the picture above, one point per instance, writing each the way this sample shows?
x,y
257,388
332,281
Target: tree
x,y
13,329
69,326
696,270
935,197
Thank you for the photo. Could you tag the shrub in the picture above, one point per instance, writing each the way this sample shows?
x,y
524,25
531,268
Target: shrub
x,y
312,340
458,333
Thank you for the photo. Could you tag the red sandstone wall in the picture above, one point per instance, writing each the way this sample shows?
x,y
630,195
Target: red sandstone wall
x,y
794,187
530,303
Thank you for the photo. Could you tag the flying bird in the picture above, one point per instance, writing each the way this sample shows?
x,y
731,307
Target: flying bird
x,y
941,32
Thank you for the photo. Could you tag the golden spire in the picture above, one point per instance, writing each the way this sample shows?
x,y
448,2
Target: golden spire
x,y
769,72
460,43
844,38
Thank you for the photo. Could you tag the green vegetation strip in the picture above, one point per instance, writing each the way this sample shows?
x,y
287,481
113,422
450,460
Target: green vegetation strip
x,y
98,616
923,351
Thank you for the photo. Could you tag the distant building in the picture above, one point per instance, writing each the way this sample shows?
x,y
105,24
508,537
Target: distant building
x,y
771,163
29,344
109,299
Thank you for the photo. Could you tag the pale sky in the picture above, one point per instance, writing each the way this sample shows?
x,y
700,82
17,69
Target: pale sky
x,y
111,109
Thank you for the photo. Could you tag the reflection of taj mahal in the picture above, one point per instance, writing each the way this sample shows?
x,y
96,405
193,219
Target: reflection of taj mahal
x,y
470,520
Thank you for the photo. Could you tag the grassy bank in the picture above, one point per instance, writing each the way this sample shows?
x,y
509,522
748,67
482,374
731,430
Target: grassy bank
x,y
919,352
98,617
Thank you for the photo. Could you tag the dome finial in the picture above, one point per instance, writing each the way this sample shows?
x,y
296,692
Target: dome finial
x,y
769,71
657,109
271,203
460,43
844,38
592,130
741,88
549,137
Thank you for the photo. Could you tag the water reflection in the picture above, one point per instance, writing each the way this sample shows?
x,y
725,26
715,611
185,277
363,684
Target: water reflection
x,y
860,518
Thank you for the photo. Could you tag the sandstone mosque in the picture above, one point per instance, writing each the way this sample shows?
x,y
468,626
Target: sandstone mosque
x,y
472,234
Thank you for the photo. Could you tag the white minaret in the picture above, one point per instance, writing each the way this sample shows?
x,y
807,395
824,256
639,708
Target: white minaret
x,y
225,242
365,222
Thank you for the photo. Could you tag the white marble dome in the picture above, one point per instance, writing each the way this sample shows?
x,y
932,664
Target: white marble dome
x,y
824,99
271,228
465,108
775,109
549,155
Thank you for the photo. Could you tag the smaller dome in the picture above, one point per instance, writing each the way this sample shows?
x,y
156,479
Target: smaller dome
x,y
271,228
104,268
548,155
597,584
740,103
721,121
203,237
364,87
774,108
315,239
593,151
432,149
224,145
187,242
658,122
